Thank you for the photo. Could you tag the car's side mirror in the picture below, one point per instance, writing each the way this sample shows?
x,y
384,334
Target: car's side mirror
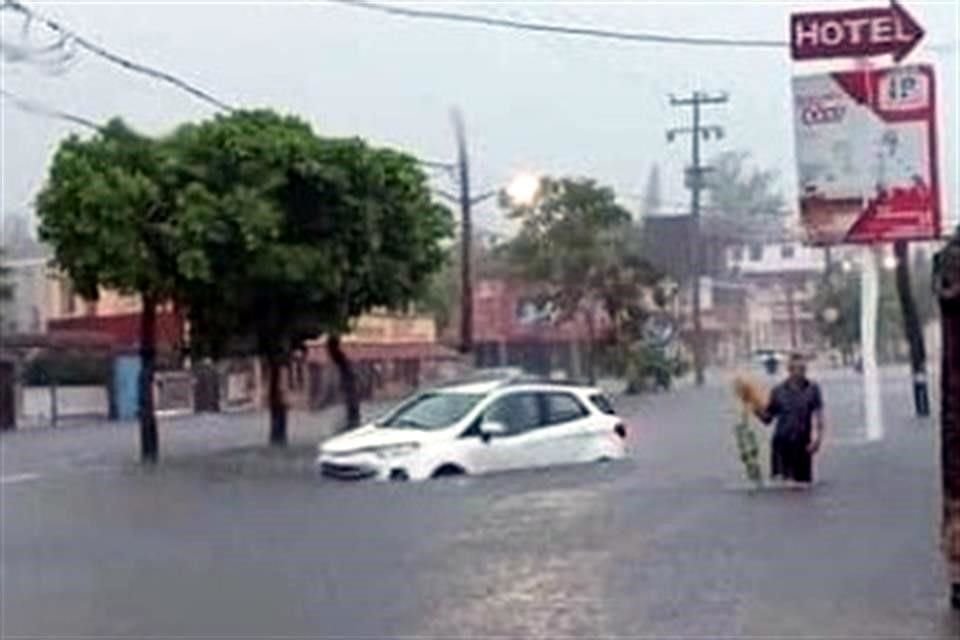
x,y
490,429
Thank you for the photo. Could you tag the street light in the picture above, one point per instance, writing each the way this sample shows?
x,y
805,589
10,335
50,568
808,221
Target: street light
x,y
522,190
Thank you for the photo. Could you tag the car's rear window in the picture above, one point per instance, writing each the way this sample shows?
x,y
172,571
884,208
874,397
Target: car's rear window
x,y
603,403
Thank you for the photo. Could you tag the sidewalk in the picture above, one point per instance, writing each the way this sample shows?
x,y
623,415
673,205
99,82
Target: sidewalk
x,y
183,439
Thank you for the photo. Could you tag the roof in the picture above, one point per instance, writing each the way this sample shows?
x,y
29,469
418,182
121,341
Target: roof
x,y
60,340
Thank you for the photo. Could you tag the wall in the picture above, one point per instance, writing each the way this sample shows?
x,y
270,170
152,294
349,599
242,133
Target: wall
x,y
72,403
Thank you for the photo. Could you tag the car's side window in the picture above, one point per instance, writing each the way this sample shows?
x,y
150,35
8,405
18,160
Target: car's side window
x,y
563,407
518,412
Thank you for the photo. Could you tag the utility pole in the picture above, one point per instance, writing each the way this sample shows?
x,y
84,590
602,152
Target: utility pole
x,y
466,234
695,182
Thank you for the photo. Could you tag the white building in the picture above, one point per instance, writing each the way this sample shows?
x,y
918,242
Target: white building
x,y
782,279
31,281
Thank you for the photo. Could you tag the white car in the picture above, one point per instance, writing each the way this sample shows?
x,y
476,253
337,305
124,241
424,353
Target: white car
x,y
478,428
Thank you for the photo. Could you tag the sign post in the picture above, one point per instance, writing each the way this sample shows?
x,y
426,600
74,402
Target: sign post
x,y
869,316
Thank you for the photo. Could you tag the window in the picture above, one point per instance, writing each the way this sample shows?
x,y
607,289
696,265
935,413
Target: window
x,y
517,412
562,407
756,252
737,253
603,403
787,251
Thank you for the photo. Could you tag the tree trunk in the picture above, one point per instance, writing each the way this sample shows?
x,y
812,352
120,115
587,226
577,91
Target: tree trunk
x,y
348,381
912,329
278,402
947,285
149,439
591,348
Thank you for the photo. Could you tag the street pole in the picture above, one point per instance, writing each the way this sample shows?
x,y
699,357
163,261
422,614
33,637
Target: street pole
x,y
466,231
695,183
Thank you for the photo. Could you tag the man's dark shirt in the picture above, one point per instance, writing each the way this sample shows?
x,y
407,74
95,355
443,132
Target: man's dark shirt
x,y
793,405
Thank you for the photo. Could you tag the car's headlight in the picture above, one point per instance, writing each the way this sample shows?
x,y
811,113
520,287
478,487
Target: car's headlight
x,y
396,450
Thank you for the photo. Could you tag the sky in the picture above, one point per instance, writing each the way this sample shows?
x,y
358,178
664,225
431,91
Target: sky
x,y
532,102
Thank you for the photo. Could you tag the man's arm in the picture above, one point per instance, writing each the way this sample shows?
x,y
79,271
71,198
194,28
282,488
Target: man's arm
x,y
818,423
771,411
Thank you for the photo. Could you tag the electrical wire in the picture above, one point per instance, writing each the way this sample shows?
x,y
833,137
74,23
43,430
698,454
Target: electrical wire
x,y
130,65
40,109
570,30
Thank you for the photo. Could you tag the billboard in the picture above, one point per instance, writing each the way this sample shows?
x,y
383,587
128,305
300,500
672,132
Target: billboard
x,y
866,155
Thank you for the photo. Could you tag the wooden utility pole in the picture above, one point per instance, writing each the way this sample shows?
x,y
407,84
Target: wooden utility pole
x,y
695,182
466,231
946,280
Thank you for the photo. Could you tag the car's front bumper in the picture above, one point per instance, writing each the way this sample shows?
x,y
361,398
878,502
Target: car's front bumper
x,y
355,466
364,465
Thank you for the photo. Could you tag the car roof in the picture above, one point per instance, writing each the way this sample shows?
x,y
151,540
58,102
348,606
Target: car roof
x,y
525,383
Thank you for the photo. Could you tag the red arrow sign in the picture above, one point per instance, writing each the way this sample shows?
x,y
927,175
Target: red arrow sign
x,y
855,33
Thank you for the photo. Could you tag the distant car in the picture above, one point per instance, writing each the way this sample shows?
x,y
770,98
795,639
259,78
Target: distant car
x,y
480,427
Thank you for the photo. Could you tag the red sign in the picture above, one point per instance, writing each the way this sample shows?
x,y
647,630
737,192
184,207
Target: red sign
x,y
857,33
866,149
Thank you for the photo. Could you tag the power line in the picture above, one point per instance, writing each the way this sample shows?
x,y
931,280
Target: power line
x,y
130,65
570,30
40,109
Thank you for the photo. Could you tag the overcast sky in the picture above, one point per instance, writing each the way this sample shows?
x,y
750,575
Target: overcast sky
x,y
555,104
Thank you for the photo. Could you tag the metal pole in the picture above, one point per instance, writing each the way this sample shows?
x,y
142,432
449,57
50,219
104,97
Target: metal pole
x,y
913,329
466,239
869,303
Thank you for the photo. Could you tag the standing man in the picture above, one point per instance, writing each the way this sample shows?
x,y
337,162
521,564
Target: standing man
x,y
797,406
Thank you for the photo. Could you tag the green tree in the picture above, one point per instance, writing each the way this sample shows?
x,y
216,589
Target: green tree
x,y
348,228
837,308
580,248
740,193
107,209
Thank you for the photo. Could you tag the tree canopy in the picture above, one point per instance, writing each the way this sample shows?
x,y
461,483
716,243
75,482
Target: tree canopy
x,y
267,234
343,228
109,210
738,192
582,250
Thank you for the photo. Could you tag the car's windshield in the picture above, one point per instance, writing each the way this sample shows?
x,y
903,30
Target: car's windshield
x,y
433,410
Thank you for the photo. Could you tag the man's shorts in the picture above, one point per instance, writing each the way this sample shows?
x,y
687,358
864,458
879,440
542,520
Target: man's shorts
x,y
790,460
